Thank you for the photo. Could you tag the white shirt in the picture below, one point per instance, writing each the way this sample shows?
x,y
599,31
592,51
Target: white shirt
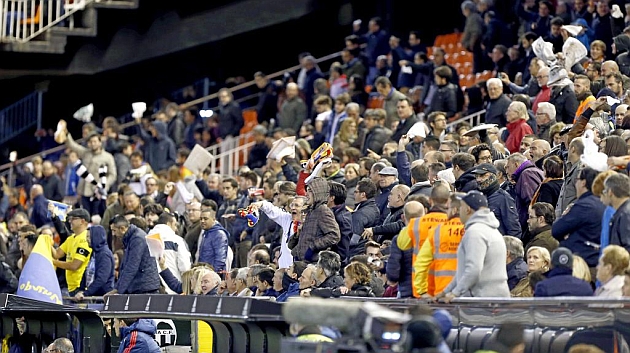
x,y
176,253
285,220
611,289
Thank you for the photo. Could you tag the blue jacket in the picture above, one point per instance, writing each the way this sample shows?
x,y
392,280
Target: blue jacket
x,y
138,271
138,338
516,271
103,263
171,281
504,208
39,216
561,283
399,268
343,217
293,291
214,246
72,180
366,215
381,202
583,223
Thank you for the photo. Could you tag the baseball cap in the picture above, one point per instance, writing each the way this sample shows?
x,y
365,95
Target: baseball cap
x,y
474,199
389,171
562,257
484,168
79,213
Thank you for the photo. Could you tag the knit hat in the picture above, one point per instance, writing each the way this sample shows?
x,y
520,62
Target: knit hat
x,y
562,257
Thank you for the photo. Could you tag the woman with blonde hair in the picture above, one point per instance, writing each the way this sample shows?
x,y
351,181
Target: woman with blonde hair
x,y
581,269
538,260
610,271
348,133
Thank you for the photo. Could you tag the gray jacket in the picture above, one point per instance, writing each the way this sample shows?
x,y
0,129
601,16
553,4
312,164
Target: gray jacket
x,y
567,192
481,266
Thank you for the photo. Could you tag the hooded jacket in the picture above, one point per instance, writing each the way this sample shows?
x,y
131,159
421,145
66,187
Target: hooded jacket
x,y
213,248
561,283
319,230
138,338
103,264
138,270
481,268
504,208
159,151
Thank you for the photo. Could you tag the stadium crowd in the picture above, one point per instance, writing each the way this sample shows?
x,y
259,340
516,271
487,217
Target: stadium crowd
x,y
391,200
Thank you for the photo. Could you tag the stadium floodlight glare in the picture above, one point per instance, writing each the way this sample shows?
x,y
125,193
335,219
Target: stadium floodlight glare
x,y
206,113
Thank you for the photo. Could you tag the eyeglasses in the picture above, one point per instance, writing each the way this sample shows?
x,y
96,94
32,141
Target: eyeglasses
x,y
533,217
485,158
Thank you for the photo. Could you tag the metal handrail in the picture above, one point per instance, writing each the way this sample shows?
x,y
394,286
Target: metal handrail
x,y
213,149
252,82
473,119
23,20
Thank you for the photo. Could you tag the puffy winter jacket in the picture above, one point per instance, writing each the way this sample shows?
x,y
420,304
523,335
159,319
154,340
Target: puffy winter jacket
x,y
138,271
138,338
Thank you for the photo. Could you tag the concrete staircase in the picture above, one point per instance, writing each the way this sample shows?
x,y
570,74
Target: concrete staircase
x,y
43,26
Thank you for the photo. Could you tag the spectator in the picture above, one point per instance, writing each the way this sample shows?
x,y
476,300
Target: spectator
x,y
560,281
612,264
99,278
538,264
516,267
136,335
212,247
76,250
482,250
138,273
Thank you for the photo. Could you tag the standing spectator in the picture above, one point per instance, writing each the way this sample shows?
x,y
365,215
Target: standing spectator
x,y
230,116
212,247
76,250
267,106
93,157
617,194
473,31
258,153
527,178
568,192
52,184
39,214
138,271
399,266
391,97
579,229
498,103
612,264
366,215
177,256
176,126
517,126
481,255
159,149
499,201
319,230
293,111
377,41
100,269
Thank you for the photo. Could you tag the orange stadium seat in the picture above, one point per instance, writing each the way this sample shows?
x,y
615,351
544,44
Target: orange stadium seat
x,y
251,120
375,102
34,19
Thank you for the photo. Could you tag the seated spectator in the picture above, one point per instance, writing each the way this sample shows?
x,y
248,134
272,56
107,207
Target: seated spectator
x,y
357,277
560,281
612,264
538,260
516,266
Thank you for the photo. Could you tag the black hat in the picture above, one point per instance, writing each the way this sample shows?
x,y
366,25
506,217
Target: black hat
x,y
562,257
79,213
484,168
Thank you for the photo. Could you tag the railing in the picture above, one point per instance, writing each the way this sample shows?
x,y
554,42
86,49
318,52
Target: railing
x,y
20,116
23,20
472,119
200,86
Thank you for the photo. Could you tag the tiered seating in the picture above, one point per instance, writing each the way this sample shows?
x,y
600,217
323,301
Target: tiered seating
x,y
459,58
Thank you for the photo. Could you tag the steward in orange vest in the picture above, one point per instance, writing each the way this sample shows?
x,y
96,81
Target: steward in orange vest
x,y
436,263
418,229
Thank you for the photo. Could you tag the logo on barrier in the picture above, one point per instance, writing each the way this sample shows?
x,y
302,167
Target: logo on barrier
x,y
166,334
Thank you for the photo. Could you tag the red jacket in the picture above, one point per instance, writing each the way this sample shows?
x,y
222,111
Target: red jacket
x,y
517,129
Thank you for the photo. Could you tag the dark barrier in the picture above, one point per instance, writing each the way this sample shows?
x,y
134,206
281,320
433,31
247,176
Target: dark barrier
x,y
256,325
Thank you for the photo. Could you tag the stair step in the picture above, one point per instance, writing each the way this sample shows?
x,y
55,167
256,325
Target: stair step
x,y
77,32
36,46
116,4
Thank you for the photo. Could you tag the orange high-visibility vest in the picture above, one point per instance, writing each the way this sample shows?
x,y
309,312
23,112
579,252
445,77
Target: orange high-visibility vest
x,y
445,241
418,229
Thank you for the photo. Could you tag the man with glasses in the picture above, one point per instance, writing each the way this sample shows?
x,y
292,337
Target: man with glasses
x,y
191,235
545,91
76,249
152,187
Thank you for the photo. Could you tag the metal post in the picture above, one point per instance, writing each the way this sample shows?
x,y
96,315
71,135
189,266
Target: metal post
x,y
206,91
40,95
